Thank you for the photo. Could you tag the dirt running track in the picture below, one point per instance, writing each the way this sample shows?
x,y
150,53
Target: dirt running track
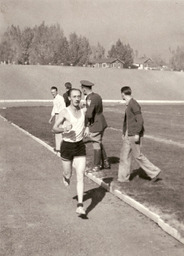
x,y
37,213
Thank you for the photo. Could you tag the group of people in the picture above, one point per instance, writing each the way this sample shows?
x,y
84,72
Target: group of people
x,y
74,122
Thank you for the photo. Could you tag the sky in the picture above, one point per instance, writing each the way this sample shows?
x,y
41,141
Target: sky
x,y
151,27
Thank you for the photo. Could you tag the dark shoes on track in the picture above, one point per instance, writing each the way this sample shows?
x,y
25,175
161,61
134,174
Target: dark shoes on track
x,y
156,178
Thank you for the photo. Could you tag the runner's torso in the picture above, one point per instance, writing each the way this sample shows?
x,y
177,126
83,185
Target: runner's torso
x,y
77,131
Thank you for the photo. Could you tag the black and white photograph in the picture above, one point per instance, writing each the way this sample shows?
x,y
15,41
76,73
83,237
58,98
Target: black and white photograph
x,y
91,127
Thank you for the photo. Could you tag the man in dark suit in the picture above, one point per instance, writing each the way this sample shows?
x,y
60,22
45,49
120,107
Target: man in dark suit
x,y
133,130
68,87
96,123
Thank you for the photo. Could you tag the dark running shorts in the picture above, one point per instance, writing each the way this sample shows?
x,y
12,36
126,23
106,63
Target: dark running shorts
x,y
69,150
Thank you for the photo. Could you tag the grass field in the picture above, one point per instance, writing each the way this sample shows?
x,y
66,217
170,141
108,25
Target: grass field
x,y
34,82
161,122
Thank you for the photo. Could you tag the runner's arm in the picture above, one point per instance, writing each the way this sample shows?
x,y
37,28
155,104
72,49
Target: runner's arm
x,y
61,118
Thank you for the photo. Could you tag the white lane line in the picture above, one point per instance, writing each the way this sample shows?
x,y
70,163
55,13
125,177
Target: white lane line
x,y
105,101
30,135
165,141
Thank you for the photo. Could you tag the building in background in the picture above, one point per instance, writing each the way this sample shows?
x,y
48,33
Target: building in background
x,y
145,63
108,63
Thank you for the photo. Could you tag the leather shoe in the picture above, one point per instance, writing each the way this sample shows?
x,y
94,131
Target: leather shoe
x,y
156,178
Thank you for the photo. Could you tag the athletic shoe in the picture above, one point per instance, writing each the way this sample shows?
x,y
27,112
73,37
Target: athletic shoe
x,y
80,210
66,181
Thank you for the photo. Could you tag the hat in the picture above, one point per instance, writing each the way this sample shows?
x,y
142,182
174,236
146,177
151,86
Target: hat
x,y
86,83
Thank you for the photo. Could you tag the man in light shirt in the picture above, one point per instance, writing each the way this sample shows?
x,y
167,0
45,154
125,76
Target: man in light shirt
x,y
58,105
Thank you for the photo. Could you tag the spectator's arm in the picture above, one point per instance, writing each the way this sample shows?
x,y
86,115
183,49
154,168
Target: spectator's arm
x,y
138,115
90,111
52,115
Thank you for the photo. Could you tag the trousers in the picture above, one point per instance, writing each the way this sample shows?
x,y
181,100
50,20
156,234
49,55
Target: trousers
x,y
99,150
129,148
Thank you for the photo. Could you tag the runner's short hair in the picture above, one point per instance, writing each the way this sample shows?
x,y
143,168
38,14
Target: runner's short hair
x,y
74,89
126,90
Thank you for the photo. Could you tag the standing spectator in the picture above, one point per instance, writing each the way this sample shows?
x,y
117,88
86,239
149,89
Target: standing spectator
x,y
133,130
68,87
73,151
96,123
58,105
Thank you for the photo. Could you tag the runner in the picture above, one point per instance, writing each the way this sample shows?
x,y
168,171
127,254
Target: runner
x,y
73,151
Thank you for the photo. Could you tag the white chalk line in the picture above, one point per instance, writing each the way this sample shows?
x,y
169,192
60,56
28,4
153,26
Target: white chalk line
x,y
30,135
164,141
130,201
20,101
139,207
105,101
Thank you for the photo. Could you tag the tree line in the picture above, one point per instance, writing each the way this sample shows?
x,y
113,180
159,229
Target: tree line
x,y
47,45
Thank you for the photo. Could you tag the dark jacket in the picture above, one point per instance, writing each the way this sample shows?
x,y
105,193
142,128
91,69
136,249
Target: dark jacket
x,y
94,114
133,119
66,99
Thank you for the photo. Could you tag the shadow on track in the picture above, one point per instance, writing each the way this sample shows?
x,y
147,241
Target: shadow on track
x,y
141,174
96,195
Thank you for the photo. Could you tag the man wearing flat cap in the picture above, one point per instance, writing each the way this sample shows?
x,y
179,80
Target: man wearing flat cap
x,y
96,124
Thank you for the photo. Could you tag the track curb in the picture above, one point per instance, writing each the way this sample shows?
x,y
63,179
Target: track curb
x,y
125,198
139,207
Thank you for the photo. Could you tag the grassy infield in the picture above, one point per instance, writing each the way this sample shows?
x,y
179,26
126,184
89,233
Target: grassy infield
x,y
165,122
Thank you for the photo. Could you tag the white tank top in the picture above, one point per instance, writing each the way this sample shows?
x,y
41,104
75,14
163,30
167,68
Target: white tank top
x,y
77,131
